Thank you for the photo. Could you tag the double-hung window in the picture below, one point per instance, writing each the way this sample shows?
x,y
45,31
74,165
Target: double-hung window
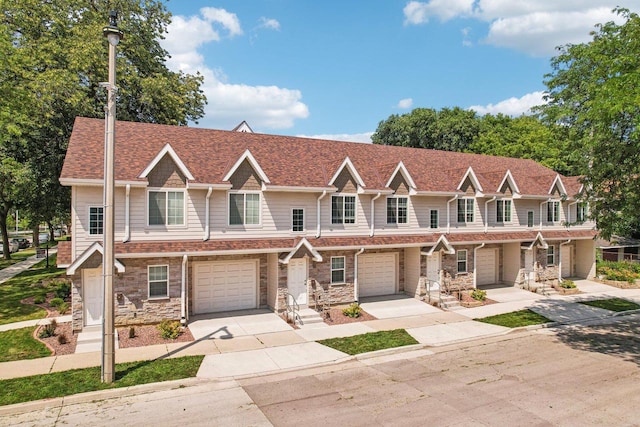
x,y
462,261
96,219
551,255
465,210
503,210
337,269
158,278
553,211
166,207
244,208
581,212
397,210
343,209
434,221
529,219
297,219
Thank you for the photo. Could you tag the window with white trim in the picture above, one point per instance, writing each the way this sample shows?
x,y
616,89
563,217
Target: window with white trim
x,y
297,219
158,279
503,210
337,269
465,210
343,209
434,220
397,209
551,255
244,208
96,219
553,211
581,212
529,219
166,207
462,261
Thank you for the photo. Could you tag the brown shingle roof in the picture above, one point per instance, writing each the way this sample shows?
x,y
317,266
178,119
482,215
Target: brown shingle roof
x,y
287,160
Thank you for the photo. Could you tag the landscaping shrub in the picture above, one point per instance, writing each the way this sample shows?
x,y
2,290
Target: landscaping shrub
x,y
63,307
621,271
132,332
353,310
479,295
62,339
567,284
62,289
169,329
49,330
55,302
39,299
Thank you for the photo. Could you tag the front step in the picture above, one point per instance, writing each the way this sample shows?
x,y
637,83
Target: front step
x,y
310,318
450,303
90,339
546,290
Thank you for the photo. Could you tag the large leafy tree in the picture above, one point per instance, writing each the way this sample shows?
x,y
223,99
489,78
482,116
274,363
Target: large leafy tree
x,y
53,58
594,90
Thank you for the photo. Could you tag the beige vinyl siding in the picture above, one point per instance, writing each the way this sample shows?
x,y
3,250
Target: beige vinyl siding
x,y
411,270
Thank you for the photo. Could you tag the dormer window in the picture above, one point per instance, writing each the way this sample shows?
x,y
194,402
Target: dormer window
x,y
166,207
465,210
397,210
503,210
343,209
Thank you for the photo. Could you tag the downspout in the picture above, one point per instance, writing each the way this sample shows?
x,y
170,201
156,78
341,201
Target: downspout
x,y
475,265
355,278
207,230
127,228
183,292
373,214
449,212
486,213
560,260
324,193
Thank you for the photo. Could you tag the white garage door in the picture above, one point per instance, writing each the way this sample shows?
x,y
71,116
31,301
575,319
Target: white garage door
x,y
377,274
486,267
224,286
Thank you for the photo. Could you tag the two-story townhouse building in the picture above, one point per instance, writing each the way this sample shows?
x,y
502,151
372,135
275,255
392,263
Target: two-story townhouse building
x,y
209,221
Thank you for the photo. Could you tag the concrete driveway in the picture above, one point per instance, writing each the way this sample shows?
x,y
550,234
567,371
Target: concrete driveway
x,y
234,324
391,306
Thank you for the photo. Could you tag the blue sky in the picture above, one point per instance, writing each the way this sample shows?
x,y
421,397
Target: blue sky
x,y
335,69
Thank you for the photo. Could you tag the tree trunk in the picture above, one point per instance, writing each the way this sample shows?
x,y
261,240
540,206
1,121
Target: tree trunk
x,y
5,235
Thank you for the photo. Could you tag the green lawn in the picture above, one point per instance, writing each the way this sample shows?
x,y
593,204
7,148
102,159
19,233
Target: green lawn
x,y
83,380
515,319
16,257
23,286
613,304
370,342
19,344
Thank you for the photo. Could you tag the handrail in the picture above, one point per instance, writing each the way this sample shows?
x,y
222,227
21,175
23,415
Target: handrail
x,y
293,309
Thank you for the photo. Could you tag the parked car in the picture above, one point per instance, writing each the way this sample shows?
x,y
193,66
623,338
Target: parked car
x,y
43,237
13,247
22,242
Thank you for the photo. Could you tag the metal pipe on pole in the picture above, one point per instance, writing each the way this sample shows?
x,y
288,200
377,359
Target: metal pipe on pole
x,y
113,34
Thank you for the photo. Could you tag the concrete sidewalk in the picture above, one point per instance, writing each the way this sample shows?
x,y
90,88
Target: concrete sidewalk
x,y
240,346
19,267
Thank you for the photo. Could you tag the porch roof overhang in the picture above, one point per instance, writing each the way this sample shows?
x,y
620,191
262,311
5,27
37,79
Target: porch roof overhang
x,y
537,242
96,247
441,245
302,244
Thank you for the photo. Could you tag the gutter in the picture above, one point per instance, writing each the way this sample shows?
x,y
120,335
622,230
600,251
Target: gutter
x,y
355,279
486,213
373,214
207,228
318,231
183,292
475,265
449,212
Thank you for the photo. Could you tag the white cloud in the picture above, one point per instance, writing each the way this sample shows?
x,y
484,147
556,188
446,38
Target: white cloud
x,y
262,106
536,27
269,23
512,106
405,103
353,137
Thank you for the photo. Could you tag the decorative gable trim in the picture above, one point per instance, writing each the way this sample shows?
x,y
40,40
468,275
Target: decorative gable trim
x,y
303,242
474,181
95,247
557,182
254,164
538,242
405,174
441,244
508,179
167,150
352,170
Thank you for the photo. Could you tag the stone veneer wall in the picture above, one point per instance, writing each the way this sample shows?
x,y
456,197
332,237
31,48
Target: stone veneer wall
x,y
450,266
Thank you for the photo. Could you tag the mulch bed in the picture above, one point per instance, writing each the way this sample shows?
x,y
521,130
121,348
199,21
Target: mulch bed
x,y
53,343
467,300
337,318
148,335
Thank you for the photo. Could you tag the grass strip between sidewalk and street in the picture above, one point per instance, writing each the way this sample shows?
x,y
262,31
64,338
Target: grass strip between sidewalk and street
x,y
371,341
58,384
515,319
19,344
612,304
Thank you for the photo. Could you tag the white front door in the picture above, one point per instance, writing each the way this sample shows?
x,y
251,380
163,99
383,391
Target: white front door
x,y
92,296
433,267
297,279
528,265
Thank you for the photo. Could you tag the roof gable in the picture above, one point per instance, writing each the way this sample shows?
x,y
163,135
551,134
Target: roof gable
x,y
510,182
473,179
405,174
167,150
348,164
96,247
558,186
254,164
